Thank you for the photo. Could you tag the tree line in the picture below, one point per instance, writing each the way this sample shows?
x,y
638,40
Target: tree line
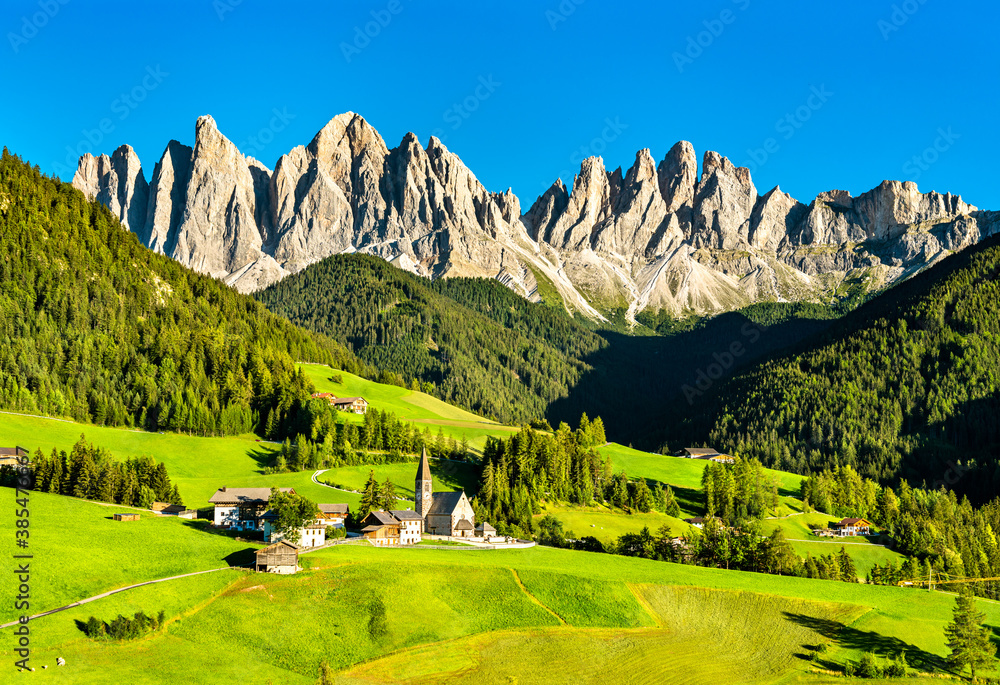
x,y
91,472
382,438
939,532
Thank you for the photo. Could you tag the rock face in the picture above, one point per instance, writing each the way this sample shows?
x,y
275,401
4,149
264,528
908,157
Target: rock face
x,y
654,237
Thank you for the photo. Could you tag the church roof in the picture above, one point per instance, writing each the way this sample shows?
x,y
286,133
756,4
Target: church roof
x,y
445,502
424,471
463,524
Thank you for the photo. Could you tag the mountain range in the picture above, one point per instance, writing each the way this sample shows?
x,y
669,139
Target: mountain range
x,y
657,237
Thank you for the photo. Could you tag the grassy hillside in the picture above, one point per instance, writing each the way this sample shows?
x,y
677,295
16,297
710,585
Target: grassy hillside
x,y
410,405
81,551
677,471
539,616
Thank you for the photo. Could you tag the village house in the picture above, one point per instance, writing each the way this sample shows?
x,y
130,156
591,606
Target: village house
x,y
395,527
851,527
333,515
281,557
11,456
310,535
381,528
444,513
353,405
241,508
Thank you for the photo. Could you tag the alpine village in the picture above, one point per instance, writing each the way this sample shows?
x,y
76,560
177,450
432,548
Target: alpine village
x,y
310,396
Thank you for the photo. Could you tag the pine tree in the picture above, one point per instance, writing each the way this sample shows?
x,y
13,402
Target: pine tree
x,y
848,572
387,495
670,507
369,498
968,639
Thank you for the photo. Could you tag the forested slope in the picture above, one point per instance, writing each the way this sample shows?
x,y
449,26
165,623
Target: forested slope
x,y
98,328
480,345
905,386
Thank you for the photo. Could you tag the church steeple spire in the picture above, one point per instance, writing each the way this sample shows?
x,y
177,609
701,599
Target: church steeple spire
x,y
423,486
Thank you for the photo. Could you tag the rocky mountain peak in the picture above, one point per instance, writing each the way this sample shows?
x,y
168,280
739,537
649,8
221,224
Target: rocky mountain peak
x,y
653,236
677,175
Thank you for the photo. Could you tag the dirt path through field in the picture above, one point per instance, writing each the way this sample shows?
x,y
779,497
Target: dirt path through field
x,y
115,592
517,579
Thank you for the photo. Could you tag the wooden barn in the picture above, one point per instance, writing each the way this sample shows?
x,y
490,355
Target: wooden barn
x,y
126,517
281,557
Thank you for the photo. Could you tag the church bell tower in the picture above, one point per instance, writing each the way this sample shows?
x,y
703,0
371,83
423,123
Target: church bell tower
x,y
423,487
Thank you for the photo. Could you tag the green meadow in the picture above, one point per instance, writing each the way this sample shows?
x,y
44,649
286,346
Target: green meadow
x,y
80,551
539,615
411,405
607,525
678,471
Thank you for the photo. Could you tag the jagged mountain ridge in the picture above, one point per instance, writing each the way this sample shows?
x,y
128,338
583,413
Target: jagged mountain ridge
x,y
655,237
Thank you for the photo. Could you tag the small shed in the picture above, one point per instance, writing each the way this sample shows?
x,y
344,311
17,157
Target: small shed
x,y
188,514
281,557
485,530
464,529
126,517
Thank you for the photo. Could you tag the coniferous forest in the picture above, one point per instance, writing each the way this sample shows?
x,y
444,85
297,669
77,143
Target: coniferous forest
x,y
904,387
472,342
98,328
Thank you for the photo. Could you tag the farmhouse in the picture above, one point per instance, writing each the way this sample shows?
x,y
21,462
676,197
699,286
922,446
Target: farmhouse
x,y
444,513
333,515
11,456
698,453
851,527
396,527
281,557
381,528
241,508
354,405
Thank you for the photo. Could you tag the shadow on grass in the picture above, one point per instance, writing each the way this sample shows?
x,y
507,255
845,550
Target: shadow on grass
x,y
458,475
868,641
264,457
245,557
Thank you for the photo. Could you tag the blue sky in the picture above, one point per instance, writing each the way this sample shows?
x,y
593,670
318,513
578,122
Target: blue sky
x,y
812,96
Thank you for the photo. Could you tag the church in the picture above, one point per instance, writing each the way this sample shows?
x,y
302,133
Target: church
x,y
444,513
